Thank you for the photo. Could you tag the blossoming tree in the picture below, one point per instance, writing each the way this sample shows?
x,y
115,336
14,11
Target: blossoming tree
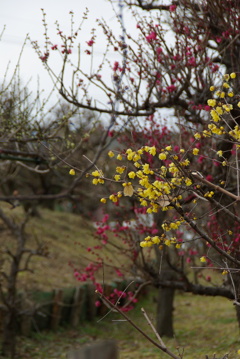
x,y
195,73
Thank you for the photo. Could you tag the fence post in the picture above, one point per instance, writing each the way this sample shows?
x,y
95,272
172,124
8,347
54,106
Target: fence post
x,y
56,308
26,316
77,306
91,309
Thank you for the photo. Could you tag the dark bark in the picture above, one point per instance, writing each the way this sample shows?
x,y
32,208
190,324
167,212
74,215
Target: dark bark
x,y
9,334
199,289
165,312
164,315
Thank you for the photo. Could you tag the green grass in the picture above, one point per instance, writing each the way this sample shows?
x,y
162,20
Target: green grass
x,y
203,326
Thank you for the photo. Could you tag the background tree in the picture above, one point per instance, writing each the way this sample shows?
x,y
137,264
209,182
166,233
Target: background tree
x,y
38,147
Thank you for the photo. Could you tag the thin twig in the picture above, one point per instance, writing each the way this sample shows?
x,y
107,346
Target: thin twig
x,y
153,328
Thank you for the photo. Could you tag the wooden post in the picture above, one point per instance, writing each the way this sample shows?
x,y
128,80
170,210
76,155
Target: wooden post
x,y
78,304
56,308
91,309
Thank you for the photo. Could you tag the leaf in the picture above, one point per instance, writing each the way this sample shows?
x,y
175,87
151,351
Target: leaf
x,y
164,201
128,190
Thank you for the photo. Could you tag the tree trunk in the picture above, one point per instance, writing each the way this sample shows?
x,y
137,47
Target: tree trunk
x,y
9,334
165,310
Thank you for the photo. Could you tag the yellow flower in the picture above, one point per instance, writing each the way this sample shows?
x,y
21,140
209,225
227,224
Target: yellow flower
x,y
226,85
113,198
227,107
197,136
96,173
168,242
146,169
215,116
219,110
195,151
212,88
224,272
152,151
162,156
211,102
137,164
119,157
233,75
72,172
117,177
203,259
103,200
120,169
131,174
226,77
169,148
111,154
156,240
220,153
188,182
230,94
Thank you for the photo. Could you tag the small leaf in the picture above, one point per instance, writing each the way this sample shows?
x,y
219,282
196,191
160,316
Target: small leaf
x,y
164,201
128,190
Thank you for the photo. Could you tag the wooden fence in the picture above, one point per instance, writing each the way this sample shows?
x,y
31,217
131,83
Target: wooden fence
x,y
72,306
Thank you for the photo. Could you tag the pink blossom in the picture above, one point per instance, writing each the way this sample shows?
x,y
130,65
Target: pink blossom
x,y
152,36
215,68
90,42
172,8
171,88
115,66
159,50
209,178
192,61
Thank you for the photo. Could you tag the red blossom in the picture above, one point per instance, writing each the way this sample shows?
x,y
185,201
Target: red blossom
x,y
172,8
152,36
90,42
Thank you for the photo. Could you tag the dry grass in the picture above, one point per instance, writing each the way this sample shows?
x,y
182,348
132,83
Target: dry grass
x,y
67,237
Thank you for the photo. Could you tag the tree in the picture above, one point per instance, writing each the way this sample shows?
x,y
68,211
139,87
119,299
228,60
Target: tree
x,y
182,76
38,147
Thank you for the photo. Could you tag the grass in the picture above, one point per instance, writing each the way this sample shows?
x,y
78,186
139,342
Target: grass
x,y
66,236
203,326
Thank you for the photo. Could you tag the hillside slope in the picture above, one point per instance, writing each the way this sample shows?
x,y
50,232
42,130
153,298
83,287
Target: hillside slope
x,y
63,234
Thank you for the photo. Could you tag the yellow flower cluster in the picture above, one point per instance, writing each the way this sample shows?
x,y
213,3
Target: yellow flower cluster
x,y
235,133
209,194
150,241
99,178
220,108
173,225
